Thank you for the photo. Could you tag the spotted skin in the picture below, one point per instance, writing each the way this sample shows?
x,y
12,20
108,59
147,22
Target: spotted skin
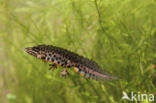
x,y
67,59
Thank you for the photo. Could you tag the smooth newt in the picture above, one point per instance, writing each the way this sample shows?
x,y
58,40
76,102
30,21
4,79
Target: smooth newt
x,y
67,59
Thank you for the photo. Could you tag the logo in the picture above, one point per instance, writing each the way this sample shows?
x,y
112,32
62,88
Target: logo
x,y
138,97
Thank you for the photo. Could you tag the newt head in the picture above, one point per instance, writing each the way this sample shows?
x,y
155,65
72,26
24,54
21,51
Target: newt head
x,y
35,51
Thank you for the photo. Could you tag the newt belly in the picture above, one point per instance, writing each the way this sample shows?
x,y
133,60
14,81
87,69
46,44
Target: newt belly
x,y
67,59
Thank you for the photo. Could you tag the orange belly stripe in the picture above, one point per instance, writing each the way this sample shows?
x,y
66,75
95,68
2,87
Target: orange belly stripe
x,y
76,69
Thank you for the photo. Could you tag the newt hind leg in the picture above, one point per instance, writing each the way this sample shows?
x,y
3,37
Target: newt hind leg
x,y
64,73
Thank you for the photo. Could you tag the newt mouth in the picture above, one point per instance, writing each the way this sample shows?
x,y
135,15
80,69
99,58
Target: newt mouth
x,y
31,52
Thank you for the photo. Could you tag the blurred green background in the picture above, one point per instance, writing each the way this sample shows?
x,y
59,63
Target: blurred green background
x,y
120,35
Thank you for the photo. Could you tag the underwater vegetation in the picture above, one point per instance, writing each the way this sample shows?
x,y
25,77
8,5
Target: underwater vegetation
x,y
120,36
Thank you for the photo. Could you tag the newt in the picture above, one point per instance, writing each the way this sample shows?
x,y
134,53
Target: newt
x,y
67,59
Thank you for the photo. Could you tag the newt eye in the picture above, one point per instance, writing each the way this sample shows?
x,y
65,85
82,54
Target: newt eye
x,y
35,49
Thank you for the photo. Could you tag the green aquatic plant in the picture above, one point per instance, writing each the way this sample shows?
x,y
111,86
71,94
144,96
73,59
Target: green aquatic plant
x,y
118,35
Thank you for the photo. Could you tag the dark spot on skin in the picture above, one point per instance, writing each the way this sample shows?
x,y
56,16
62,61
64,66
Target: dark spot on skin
x,y
68,66
52,59
52,53
46,48
65,62
54,56
42,49
62,60
45,54
58,62
42,57
49,54
48,58
59,57
84,68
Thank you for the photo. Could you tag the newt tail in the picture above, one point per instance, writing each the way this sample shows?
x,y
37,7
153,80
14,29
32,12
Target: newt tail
x,y
67,59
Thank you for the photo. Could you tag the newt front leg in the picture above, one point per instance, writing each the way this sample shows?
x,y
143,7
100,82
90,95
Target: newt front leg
x,y
52,66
